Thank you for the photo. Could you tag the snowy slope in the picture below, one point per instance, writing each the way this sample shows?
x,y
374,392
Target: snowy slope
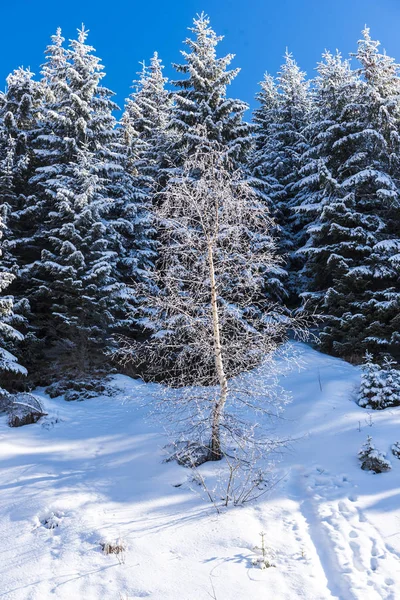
x,y
332,530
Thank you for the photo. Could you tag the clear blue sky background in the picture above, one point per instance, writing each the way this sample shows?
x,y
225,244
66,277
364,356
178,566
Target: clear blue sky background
x,y
125,32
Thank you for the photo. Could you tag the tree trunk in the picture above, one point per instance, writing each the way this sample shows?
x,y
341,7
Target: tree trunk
x,y
215,446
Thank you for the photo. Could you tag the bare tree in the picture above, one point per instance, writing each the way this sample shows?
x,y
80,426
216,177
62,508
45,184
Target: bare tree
x,y
206,312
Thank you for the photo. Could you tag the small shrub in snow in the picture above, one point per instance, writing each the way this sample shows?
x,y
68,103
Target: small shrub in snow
x,y
53,520
188,454
373,460
396,449
380,386
79,389
246,482
24,409
118,548
50,422
262,560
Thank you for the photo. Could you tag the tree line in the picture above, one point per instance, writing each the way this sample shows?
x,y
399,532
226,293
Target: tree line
x,y
102,221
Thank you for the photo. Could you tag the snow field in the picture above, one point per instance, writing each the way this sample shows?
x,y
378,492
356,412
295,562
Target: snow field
x,y
93,472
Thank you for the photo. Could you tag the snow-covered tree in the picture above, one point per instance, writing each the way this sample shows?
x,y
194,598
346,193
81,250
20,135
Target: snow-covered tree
x,y
201,100
20,113
372,459
261,161
204,116
210,320
93,230
144,139
396,449
80,295
8,168
334,92
291,117
280,142
54,70
263,178
145,124
380,386
24,206
9,336
352,249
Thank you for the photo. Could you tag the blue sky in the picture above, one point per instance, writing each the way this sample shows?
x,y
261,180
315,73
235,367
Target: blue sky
x,y
257,31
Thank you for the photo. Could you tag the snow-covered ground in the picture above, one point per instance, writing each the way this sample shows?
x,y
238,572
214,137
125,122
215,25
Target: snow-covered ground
x,y
95,469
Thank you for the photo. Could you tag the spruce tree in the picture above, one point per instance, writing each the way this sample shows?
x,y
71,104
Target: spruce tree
x,y
380,386
352,247
291,118
145,140
79,295
129,225
91,228
204,116
9,335
201,99
145,123
372,459
264,178
336,89
280,142
20,115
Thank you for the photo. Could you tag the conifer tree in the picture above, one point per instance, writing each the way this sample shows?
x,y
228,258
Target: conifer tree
x,y
336,90
280,142
92,231
201,99
292,116
79,293
264,178
352,248
145,140
380,386
9,336
20,114
145,122
372,459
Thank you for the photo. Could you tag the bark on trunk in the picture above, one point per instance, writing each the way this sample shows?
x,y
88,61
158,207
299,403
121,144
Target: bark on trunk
x,y
215,445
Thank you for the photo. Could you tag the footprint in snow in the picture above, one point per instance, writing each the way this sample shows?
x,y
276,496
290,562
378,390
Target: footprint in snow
x,y
343,508
51,520
353,534
357,562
